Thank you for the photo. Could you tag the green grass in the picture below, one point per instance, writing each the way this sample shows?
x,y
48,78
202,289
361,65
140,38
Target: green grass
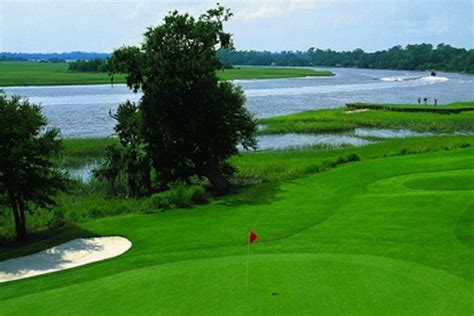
x,y
92,200
82,151
271,166
35,73
356,239
455,107
344,120
269,73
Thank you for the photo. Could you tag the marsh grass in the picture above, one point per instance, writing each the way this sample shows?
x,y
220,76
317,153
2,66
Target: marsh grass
x,y
451,108
290,164
341,120
37,74
77,152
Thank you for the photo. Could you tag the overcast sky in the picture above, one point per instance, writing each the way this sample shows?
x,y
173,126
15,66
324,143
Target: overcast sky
x,y
102,25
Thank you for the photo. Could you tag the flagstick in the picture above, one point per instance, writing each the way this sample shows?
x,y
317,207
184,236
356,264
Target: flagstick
x,y
248,255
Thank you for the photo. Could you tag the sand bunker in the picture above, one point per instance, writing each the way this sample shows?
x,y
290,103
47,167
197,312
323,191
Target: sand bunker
x,y
356,111
71,254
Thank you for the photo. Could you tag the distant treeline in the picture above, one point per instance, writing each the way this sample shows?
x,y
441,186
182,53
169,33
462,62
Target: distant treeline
x,y
412,57
12,58
46,56
16,58
92,65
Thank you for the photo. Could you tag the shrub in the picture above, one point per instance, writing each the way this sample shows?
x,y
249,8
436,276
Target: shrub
x,y
353,157
179,196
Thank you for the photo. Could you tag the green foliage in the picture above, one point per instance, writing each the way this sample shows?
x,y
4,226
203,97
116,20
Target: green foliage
x,y
92,65
191,122
179,196
130,159
12,58
28,175
412,57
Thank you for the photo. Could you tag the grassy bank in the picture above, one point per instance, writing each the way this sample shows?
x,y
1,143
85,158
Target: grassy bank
x,y
346,120
263,169
383,236
451,108
36,74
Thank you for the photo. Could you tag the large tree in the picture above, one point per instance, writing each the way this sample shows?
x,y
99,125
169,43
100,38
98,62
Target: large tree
x,y
28,177
192,122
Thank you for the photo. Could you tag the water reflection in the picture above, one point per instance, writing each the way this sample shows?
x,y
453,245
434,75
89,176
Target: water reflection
x,y
276,142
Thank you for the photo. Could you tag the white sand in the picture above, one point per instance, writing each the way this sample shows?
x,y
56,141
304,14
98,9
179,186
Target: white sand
x,y
71,254
356,111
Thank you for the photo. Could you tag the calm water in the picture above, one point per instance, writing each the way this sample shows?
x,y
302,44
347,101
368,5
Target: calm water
x,y
266,142
83,111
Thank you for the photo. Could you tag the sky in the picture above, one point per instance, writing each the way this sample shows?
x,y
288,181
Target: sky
x,y
103,25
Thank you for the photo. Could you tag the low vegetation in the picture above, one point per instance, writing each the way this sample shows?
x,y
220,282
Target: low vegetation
x,y
39,74
347,119
451,108
92,200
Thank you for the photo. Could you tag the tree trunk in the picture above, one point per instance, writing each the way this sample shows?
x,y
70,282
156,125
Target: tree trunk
x,y
220,184
20,224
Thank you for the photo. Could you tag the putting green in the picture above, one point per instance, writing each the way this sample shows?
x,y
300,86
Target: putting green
x,y
285,284
353,240
463,180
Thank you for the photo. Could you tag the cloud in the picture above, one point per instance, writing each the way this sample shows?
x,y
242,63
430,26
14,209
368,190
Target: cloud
x,y
255,10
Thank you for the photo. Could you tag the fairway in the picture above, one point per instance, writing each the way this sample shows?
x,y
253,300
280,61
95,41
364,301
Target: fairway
x,y
382,237
40,74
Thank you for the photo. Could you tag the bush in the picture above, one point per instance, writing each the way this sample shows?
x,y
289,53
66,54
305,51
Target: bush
x,y
179,196
353,157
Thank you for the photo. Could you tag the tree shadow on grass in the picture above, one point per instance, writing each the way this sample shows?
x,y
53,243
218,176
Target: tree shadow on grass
x,y
52,259
40,241
259,194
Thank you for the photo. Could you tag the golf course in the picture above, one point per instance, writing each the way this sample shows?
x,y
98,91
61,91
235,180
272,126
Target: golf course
x,y
382,236
269,158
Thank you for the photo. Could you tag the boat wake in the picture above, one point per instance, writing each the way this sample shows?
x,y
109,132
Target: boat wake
x,y
429,79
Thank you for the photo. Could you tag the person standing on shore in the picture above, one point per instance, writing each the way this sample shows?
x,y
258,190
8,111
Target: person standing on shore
x,y
435,102
425,99
419,100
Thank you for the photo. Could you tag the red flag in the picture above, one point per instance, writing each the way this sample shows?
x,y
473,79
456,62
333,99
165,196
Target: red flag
x,y
252,236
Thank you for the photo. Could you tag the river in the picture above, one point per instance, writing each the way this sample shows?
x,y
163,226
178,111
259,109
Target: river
x,y
83,110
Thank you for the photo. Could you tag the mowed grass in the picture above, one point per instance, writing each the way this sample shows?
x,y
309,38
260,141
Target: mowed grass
x,y
370,237
346,120
35,73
